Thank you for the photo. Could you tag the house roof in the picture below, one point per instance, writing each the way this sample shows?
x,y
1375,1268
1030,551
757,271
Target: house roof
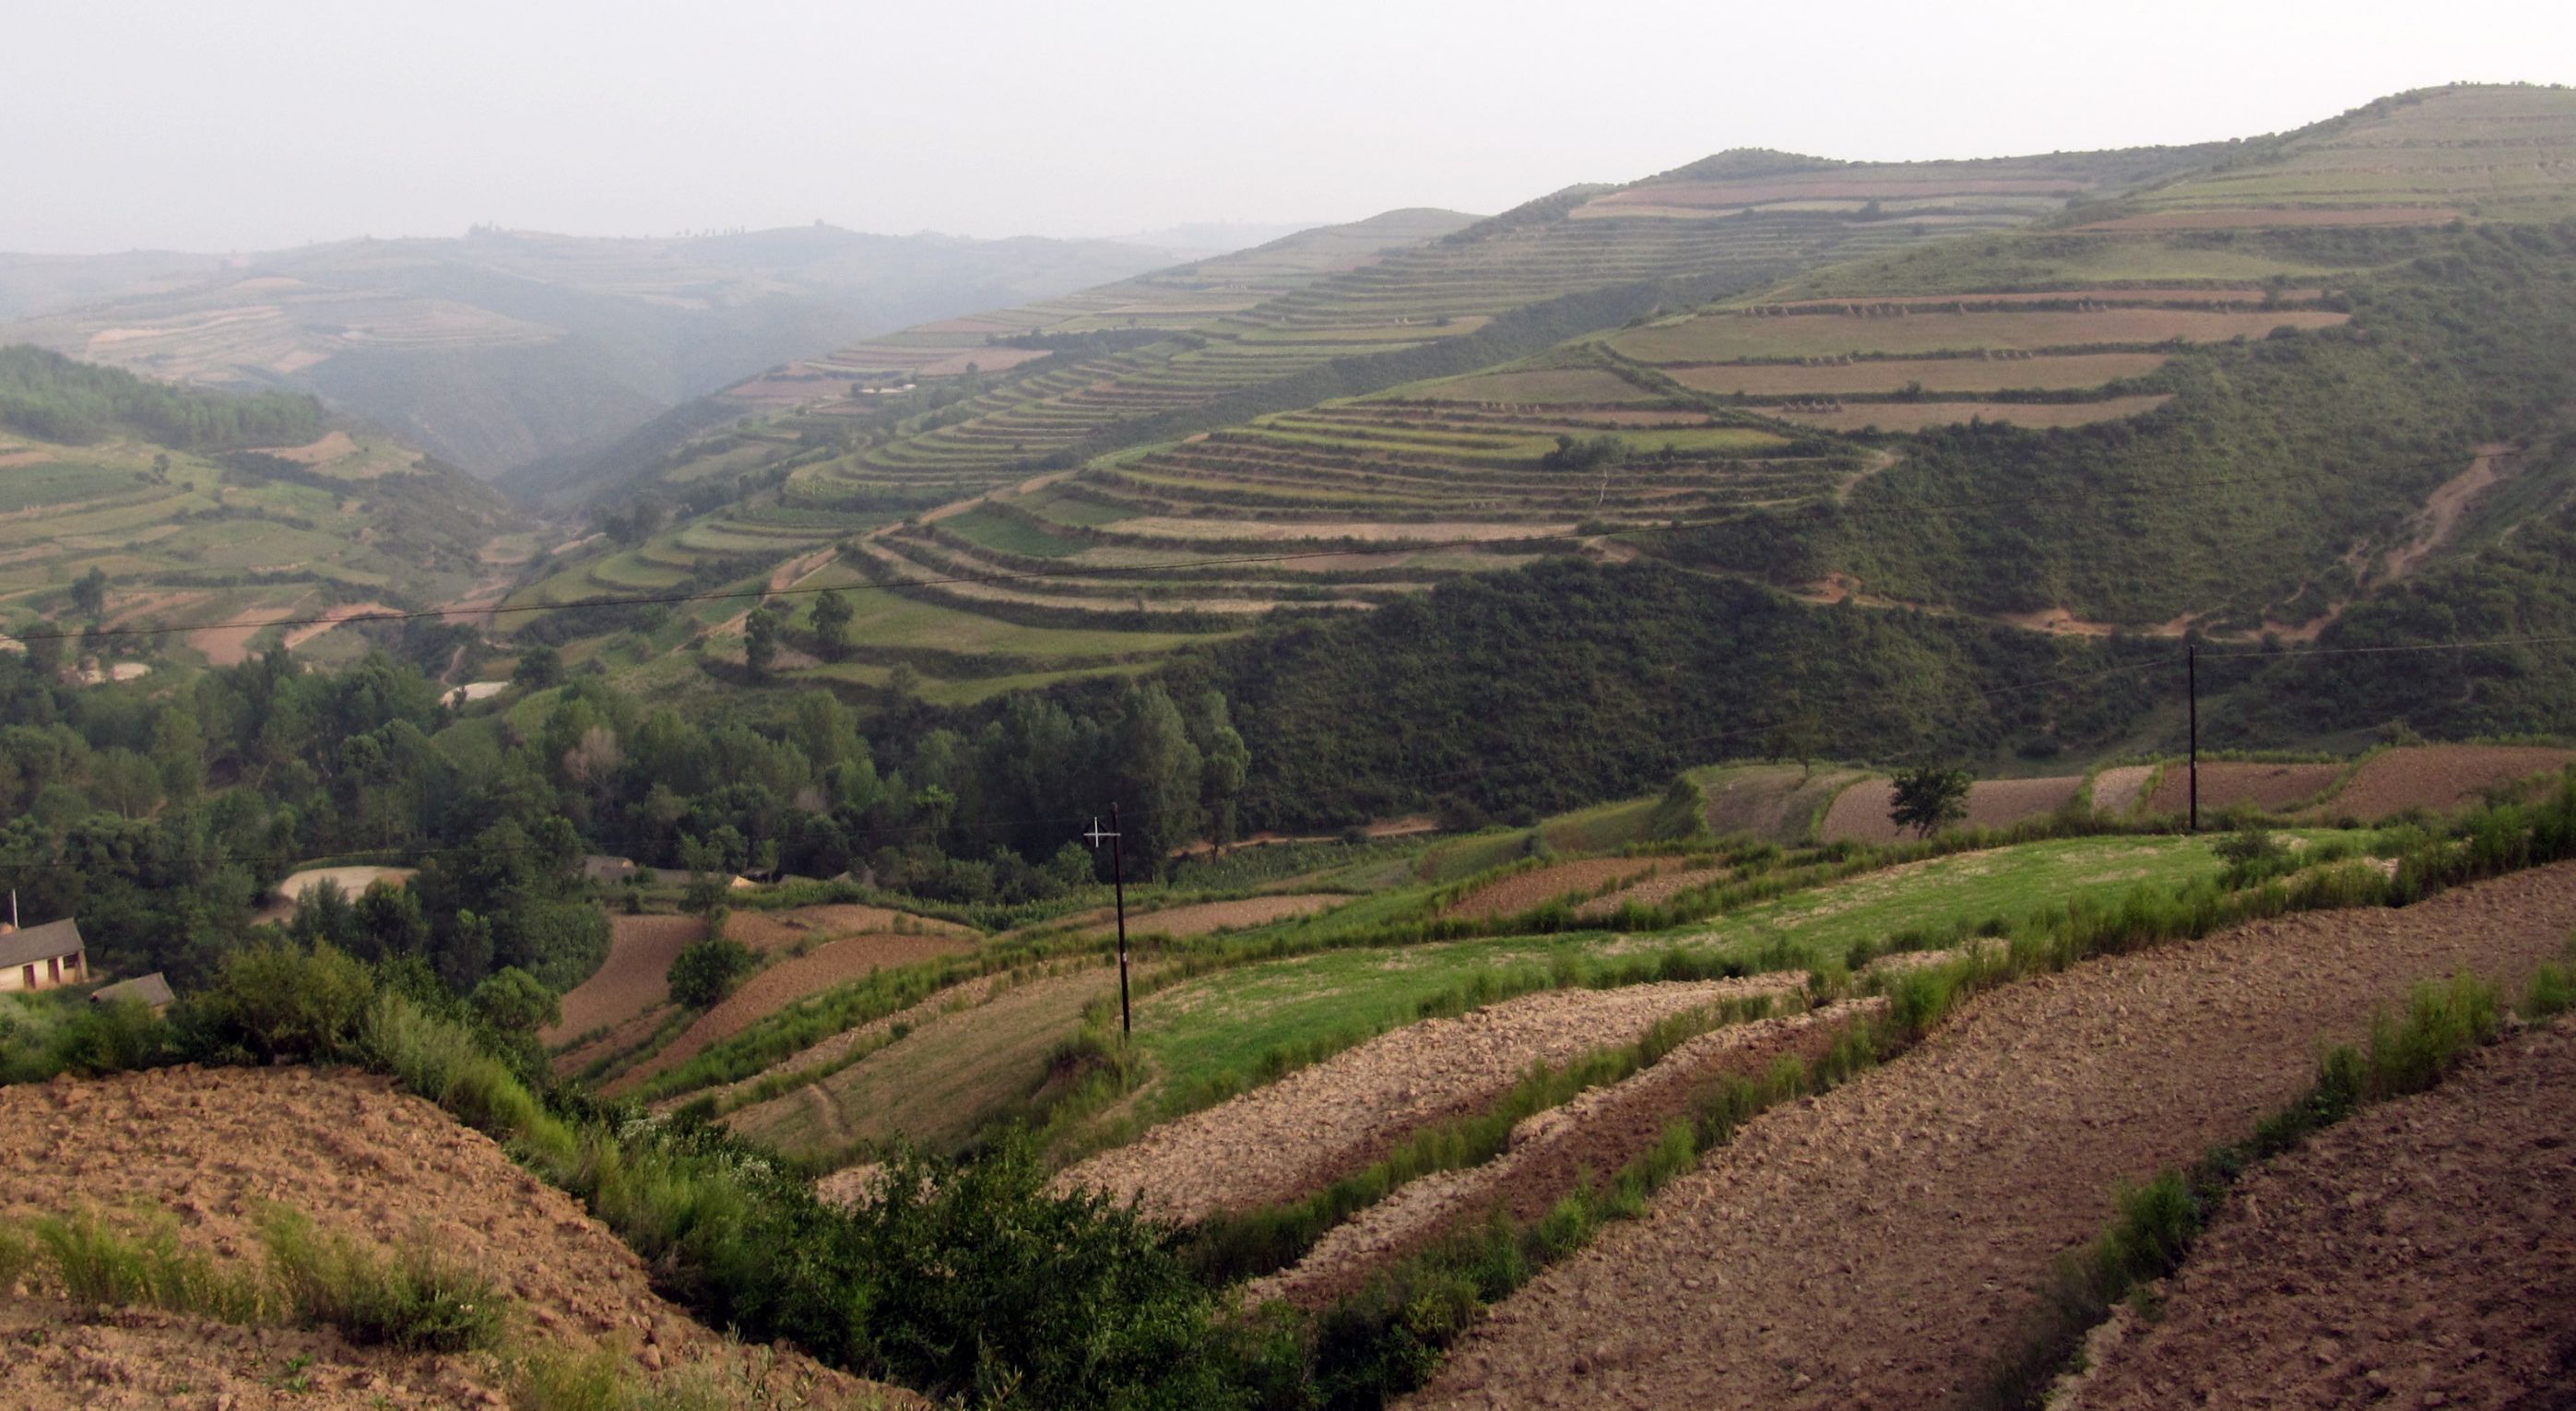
x,y
151,989
40,943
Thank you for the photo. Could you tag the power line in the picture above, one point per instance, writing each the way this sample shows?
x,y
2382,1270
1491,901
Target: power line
x,y
608,601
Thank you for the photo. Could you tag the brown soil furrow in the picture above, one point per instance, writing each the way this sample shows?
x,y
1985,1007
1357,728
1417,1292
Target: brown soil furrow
x,y
2422,1254
1860,813
634,978
2229,783
1205,917
1551,1153
2439,778
1652,892
1315,1124
1881,1245
1521,891
212,1148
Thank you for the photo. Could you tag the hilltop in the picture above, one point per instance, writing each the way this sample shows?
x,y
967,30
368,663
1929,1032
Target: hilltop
x,y
503,349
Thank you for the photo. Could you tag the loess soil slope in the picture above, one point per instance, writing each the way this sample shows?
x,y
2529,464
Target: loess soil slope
x,y
1876,1247
212,1147
2422,1254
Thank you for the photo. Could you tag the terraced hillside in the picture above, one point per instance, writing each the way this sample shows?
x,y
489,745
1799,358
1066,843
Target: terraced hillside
x,y
1370,493
205,536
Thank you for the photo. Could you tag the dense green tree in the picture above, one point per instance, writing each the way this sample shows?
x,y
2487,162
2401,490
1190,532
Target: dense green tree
x,y
832,615
89,592
1929,798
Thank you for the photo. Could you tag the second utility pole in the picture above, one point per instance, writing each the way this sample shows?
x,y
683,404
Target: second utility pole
x,y
1118,879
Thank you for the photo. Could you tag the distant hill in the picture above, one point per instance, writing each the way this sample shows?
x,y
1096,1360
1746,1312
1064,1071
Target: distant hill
x,y
202,508
504,348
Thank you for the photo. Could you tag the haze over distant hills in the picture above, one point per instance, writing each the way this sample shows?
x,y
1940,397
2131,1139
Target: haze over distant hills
x,y
500,349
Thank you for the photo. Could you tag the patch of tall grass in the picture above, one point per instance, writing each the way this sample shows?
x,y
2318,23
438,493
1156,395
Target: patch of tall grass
x,y
102,1267
413,1299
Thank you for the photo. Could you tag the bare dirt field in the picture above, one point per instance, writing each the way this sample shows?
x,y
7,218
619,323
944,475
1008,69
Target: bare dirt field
x,y
1877,1246
1522,890
1859,813
212,1147
1199,920
2421,1254
2227,783
1319,1122
1654,891
2438,778
634,978
788,980
350,880
1551,1153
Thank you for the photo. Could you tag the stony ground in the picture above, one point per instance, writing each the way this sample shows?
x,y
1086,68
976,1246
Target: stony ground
x,y
1552,1152
1282,1140
1878,1246
2421,1254
211,1148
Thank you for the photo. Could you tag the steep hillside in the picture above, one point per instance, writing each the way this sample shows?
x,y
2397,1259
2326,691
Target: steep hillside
x,y
504,348
201,508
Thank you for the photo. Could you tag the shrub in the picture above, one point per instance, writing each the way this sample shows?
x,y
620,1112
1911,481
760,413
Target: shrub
x,y
705,972
279,1002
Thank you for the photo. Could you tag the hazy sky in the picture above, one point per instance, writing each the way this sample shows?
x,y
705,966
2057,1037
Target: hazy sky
x,y
245,124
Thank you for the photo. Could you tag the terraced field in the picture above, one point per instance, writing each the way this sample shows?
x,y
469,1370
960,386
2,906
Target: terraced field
x,y
188,540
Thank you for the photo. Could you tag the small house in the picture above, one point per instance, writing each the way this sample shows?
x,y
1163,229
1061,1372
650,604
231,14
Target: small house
x,y
149,989
42,957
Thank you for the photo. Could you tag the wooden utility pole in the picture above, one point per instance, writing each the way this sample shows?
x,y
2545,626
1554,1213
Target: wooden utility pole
x,y
2191,674
1118,881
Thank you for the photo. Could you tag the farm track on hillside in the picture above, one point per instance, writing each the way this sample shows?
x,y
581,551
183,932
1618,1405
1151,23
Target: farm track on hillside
x,y
1280,1141
1552,1153
2426,1246
1882,1245
213,1147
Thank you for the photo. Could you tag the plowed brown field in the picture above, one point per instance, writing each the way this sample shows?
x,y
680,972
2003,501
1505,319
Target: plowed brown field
x,y
1552,1153
635,977
1879,1245
2422,1254
212,1147
2439,778
2227,783
1317,1123
1522,890
1661,887
1859,813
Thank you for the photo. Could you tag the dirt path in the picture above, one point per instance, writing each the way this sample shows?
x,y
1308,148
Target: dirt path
x,y
1319,1122
2424,1253
1879,1246
212,1147
1597,1133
